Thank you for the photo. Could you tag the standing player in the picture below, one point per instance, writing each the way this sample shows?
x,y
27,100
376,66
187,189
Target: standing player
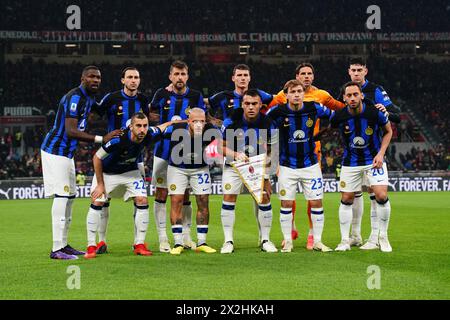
x,y
119,106
57,150
187,167
117,175
376,95
225,103
298,162
250,133
172,105
305,74
361,126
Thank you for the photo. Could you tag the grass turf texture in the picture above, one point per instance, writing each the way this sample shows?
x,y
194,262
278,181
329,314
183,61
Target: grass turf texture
x,y
418,267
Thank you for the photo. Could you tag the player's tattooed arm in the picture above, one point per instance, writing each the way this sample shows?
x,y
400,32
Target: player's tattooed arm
x,y
72,132
387,135
214,121
230,154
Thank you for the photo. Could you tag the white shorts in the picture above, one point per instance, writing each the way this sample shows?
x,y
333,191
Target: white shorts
x,y
127,185
352,177
231,183
310,179
179,179
159,175
59,175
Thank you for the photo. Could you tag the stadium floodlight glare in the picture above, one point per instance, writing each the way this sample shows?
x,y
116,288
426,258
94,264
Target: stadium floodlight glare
x,y
243,49
70,45
417,46
161,46
117,46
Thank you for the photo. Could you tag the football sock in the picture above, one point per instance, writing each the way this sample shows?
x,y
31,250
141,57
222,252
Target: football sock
x,y
92,223
141,223
160,219
177,230
256,213
58,221
384,213
103,224
318,220
345,219
310,232
265,220
68,219
187,219
286,223
357,211
202,231
374,220
227,215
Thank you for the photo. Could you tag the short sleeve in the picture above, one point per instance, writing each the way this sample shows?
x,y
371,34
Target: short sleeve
x,y
71,106
382,97
382,118
111,145
266,98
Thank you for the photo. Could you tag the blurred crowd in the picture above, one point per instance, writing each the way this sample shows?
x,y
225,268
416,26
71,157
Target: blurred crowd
x,y
174,16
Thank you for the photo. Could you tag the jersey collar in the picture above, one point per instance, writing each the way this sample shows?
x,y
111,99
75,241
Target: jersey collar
x,y
127,96
365,84
181,95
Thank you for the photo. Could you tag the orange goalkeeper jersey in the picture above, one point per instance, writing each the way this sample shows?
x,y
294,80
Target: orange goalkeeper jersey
x,y
317,95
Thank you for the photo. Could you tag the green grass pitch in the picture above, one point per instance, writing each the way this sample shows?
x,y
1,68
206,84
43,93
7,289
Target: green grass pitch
x,y
418,267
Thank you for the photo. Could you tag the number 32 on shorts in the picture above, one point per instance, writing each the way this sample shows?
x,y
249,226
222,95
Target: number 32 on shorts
x,y
203,178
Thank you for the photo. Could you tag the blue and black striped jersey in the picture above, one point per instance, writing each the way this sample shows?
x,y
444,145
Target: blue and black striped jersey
x,y
296,129
224,103
76,104
252,138
122,155
120,107
171,106
187,151
361,133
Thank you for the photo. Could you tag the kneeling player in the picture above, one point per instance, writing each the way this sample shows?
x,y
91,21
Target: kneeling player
x,y
362,126
187,167
117,174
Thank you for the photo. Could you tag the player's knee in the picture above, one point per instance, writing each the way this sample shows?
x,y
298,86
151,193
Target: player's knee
x,y
230,197
161,194
316,203
347,198
265,199
141,201
381,197
287,203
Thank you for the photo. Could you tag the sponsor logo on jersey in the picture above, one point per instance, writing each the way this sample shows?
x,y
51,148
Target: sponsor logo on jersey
x,y
298,136
358,142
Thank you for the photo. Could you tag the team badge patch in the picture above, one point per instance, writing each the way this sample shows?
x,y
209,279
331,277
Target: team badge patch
x,y
66,188
309,123
228,186
282,192
343,184
159,180
173,187
369,131
188,109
